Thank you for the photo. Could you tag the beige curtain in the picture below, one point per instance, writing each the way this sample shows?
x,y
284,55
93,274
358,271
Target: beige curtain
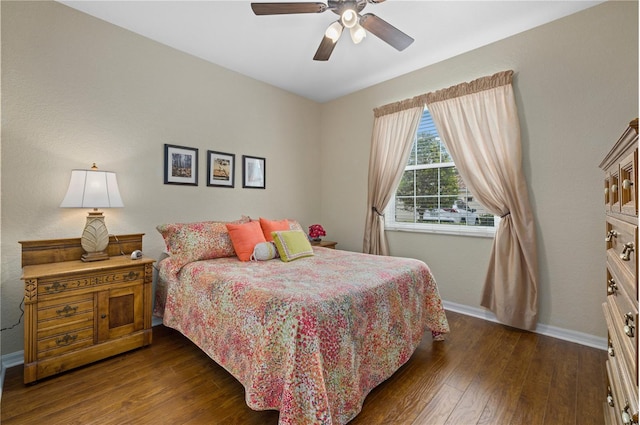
x,y
394,128
478,122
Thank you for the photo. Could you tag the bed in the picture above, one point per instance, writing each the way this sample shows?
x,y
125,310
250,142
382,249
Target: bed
x,y
309,338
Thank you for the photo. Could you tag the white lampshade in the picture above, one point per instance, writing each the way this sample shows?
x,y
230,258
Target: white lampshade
x,y
349,18
92,189
334,31
357,33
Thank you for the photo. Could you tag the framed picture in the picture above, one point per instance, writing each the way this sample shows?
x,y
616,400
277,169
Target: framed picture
x,y
180,165
253,172
221,169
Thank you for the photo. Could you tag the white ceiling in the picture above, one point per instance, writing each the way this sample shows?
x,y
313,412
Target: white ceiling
x,y
279,49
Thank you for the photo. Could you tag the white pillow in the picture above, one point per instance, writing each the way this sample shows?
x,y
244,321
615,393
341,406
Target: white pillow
x,y
264,251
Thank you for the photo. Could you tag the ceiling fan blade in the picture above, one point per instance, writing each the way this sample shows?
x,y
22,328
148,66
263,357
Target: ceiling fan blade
x,y
385,31
286,8
325,49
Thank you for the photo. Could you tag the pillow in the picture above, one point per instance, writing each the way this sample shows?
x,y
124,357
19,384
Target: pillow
x,y
245,237
202,240
264,251
292,244
269,226
294,225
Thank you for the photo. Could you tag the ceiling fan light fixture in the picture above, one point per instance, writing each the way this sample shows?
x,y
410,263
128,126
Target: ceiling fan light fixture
x,y
334,31
349,18
357,33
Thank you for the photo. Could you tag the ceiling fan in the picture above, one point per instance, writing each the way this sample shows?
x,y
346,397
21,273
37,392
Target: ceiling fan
x,y
349,17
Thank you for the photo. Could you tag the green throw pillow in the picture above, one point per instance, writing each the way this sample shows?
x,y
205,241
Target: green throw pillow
x,y
292,244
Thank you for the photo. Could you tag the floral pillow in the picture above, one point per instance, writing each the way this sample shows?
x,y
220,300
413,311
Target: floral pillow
x,y
204,240
294,225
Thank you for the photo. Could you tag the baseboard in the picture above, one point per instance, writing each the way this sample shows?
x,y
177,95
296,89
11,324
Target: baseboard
x,y
542,329
9,360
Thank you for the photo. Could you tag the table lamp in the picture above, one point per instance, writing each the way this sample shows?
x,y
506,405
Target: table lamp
x,y
93,189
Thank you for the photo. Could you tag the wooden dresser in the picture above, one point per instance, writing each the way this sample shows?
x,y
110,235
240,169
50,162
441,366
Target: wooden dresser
x,y
78,312
621,306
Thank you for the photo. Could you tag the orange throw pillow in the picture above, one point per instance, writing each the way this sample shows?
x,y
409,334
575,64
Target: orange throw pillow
x,y
245,237
269,226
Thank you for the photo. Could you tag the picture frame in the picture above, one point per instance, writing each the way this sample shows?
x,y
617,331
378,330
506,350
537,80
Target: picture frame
x,y
221,169
253,172
180,165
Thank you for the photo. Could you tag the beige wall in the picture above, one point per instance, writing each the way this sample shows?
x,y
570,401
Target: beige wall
x,y
576,83
77,90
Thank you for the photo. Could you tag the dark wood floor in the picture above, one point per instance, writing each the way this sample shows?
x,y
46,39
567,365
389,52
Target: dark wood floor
x,y
484,373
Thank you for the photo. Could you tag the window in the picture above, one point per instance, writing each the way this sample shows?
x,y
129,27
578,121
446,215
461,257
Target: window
x,y
431,195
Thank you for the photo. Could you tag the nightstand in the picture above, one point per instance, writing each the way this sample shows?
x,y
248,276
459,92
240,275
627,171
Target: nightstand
x,y
79,312
325,244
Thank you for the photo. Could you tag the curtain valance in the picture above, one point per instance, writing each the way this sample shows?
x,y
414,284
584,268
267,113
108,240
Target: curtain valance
x,y
484,83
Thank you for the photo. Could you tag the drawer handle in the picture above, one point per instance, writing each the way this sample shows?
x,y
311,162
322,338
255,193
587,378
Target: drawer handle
x,y
612,287
67,311
606,191
626,184
614,188
629,247
610,398
130,276
66,340
629,326
56,287
610,349
611,234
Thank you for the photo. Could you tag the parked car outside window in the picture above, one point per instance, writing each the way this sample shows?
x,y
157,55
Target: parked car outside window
x,y
459,213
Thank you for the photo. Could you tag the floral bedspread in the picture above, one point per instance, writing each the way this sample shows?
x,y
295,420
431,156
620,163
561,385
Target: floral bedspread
x,y
310,338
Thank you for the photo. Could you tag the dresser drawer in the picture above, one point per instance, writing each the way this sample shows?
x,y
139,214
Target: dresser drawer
x,y
622,243
616,355
65,342
619,278
615,398
57,285
613,393
69,324
628,180
622,349
622,397
612,189
64,308
625,313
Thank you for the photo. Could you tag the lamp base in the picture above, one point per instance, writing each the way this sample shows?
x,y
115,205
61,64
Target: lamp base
x,y
95,238
94,256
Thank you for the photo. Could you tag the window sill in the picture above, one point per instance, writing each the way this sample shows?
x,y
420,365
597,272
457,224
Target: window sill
x,y
443,229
